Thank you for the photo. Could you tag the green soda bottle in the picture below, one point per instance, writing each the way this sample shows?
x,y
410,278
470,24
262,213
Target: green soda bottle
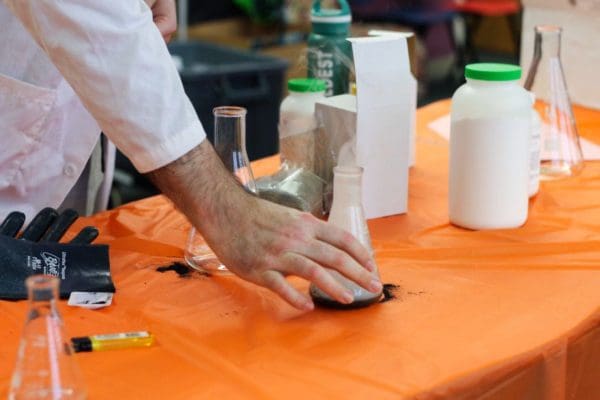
x,y
329,53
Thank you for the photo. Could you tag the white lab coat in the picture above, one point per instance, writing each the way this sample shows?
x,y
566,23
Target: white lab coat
x,y
56,57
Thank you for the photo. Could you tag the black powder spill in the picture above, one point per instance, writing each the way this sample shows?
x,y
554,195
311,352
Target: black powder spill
x,y
389,292
181,269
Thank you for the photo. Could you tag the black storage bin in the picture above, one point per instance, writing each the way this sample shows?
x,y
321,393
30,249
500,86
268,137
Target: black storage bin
x,y
219,76
200,11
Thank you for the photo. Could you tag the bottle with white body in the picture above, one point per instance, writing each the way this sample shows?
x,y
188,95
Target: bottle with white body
x,y
297,122
490,149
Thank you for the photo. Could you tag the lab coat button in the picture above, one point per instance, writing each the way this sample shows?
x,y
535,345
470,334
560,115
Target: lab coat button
x,y
69,170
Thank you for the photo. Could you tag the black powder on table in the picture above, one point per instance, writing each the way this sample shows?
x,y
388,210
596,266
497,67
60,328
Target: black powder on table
x,y
389,292
181,269
389,289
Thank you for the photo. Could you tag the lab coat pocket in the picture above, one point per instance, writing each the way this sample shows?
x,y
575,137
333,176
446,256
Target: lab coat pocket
x,y
23,112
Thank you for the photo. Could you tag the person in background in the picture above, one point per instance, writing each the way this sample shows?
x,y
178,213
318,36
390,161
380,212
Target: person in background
x,y
70,69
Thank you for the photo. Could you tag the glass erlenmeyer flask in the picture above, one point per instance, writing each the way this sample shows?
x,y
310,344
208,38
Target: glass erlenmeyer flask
x,y
230,145
46,368
347,213
561,154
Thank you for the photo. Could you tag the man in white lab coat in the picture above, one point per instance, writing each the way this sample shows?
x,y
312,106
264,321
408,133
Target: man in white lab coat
x,y
71,68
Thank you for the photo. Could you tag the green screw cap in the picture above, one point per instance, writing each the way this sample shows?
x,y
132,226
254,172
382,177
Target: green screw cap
x,y
305,85
493,72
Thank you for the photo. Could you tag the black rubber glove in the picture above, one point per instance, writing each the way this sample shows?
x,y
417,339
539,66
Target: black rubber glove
x,y
80,266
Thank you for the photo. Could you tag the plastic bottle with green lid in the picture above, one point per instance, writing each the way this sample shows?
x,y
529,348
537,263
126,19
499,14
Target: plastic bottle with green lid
x,y
329,53
489,149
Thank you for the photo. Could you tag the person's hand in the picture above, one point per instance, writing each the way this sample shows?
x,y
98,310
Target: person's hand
x,y
165,16
263,242
259,241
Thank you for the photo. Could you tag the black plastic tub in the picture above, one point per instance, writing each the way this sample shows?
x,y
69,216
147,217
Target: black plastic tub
x,y
219,76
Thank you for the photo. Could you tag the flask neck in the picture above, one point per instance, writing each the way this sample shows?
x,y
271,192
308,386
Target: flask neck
x,y
230,144
547,41
347,211
230,128
42,294
347,183
545,66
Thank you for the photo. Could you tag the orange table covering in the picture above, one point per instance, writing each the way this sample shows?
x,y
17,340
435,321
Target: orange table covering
x,y
509,314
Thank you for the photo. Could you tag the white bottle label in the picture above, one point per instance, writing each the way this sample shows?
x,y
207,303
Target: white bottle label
x,y
489,172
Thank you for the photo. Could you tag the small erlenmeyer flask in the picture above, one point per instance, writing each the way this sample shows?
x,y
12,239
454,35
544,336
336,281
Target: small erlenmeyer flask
x,y
230,146
46,368
347,213
230,143
561,154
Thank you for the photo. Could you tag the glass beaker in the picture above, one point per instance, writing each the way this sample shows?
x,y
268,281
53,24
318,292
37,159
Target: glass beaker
x,y
347,213
561,154
230,146
46,368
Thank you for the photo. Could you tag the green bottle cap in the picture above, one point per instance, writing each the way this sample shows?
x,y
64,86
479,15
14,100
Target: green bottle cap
x,y
493,72
306,85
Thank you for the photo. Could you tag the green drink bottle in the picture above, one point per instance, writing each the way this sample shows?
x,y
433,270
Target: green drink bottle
x,y
329,53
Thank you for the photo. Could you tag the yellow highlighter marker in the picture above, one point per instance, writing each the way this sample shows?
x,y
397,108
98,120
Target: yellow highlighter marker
x,y
113,341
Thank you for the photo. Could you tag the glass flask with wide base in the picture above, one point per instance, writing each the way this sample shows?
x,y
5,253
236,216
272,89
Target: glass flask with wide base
x,y
347,213
561,154
46,368
230,146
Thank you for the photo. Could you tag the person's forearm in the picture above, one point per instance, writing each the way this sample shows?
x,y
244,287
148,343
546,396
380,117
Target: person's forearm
x,y
201,187
262,242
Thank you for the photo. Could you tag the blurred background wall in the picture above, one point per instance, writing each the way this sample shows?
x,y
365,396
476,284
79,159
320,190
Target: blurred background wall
x,y
448,35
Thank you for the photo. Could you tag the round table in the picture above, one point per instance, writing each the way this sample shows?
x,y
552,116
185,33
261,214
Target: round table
x,y
507,314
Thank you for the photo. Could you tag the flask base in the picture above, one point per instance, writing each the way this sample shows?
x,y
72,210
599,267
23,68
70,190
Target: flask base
x,y
558,169
207,265
329,303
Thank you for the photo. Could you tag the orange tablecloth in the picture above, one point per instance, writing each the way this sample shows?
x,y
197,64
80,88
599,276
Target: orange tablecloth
x,y
511,314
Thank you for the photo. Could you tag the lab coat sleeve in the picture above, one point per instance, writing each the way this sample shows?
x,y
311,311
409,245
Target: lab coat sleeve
x,y
115,59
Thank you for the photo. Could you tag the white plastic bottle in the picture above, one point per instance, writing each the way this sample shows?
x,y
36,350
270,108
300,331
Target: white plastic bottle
x,y
490,149
297,122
